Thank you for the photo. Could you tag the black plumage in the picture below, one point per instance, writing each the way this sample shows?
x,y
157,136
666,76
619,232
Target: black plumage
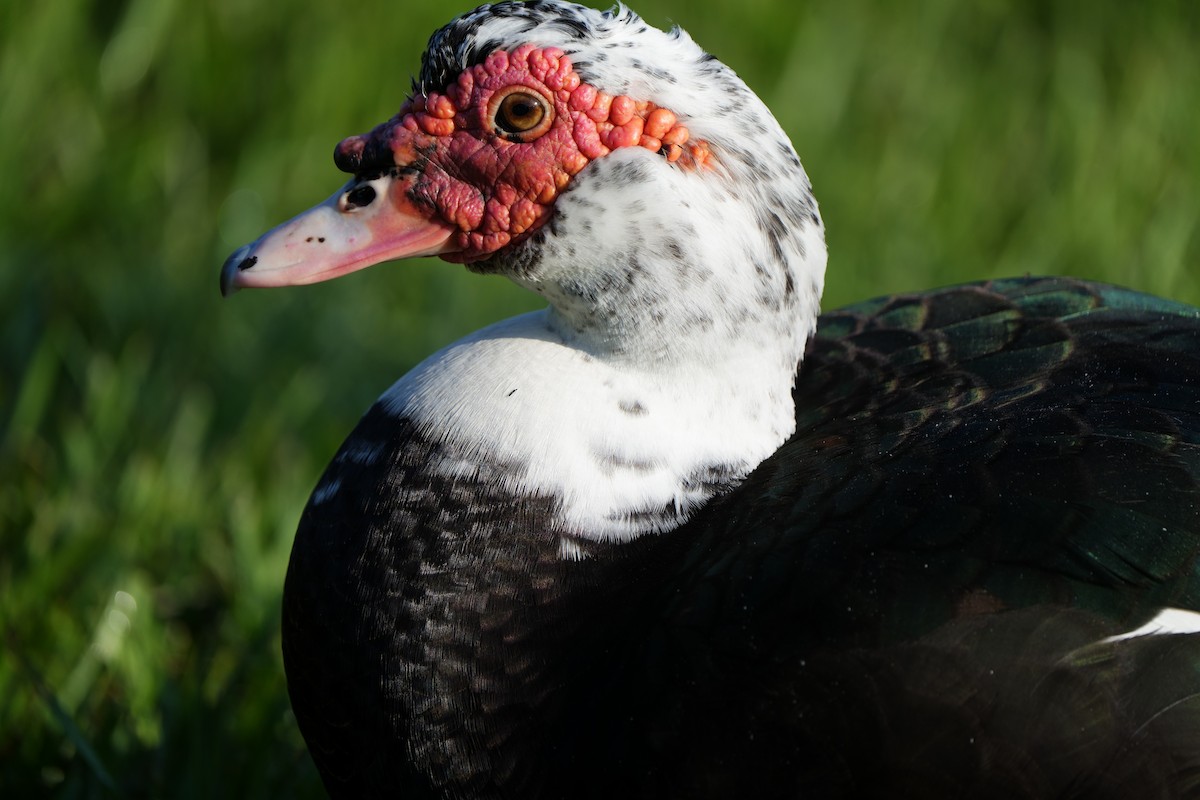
x,y
911,597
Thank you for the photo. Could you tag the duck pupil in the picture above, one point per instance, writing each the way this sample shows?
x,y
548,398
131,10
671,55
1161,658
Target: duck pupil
x,y
518,113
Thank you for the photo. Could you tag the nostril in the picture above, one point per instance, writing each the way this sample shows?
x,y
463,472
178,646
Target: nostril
x,y
360,196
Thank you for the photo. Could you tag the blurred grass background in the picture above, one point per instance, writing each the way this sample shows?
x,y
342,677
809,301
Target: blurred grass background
x,y
157,444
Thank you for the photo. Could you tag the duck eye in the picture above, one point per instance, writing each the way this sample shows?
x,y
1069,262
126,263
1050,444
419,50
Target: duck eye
x,y
520,115
360,196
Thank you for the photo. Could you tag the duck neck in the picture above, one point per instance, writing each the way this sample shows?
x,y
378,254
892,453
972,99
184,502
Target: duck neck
x,y
649,266
662,372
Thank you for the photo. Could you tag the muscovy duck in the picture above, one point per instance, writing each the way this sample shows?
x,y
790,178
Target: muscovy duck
x,y
678,536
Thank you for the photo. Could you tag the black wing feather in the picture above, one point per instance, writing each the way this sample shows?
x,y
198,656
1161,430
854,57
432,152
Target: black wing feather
x,y
909,597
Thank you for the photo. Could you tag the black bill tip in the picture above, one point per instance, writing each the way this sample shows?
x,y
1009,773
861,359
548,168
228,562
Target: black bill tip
x,y
238,262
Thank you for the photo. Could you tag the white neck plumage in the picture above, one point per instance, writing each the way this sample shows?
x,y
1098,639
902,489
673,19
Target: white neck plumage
x,y
662,372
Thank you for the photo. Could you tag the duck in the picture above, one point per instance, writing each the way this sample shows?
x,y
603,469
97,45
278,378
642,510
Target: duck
x,y
680,534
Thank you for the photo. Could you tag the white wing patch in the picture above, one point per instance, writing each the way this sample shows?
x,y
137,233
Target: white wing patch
x,y
1167,621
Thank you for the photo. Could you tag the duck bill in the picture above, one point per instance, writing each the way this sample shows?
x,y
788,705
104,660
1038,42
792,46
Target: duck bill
x,y
365,222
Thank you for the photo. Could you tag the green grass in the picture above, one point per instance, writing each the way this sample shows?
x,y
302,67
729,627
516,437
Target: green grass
x,y
157,444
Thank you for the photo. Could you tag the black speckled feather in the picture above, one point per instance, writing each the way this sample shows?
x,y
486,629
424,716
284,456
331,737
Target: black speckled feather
x,y
909,598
